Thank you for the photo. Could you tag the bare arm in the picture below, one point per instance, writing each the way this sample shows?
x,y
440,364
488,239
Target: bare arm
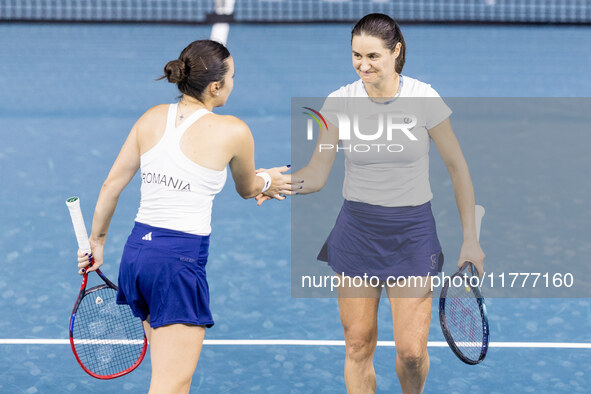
x,y
315,174
451,153
248,185
123,170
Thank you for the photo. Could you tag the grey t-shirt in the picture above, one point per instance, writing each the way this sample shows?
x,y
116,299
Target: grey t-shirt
x,y
386,145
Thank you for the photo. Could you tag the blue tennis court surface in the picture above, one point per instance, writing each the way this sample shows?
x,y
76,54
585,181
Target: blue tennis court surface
x,y
70,94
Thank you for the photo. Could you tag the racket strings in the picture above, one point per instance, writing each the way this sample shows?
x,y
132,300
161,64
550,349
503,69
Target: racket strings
x,y
464,321
108,339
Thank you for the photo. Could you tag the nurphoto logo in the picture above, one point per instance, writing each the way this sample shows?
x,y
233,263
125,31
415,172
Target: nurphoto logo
x,y
388,125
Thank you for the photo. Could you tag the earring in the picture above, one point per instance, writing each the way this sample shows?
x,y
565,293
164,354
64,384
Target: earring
x,y
217,94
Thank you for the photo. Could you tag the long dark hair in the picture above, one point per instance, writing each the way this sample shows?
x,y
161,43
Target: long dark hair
x,y
199,64
385,28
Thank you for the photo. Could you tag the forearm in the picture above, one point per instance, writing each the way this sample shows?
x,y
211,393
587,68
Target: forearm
x,y
103,212
252,190
464,194
313,179
315,174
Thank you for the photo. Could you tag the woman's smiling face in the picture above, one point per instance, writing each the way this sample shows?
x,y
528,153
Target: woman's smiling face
x,y
373,62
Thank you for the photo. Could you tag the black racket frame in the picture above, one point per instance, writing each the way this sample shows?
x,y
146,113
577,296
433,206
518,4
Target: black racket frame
x,y
475,291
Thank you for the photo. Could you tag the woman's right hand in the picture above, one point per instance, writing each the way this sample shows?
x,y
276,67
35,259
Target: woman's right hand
x,y
281,184
96,256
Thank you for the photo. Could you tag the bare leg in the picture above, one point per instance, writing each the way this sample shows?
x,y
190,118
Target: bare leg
x,y
358,309
174,353
147,328
411,315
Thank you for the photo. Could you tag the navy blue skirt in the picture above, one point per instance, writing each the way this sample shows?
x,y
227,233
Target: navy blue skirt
x,y
383,242
162,275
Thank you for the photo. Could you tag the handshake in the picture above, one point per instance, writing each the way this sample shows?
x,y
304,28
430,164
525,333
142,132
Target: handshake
x,y
281,184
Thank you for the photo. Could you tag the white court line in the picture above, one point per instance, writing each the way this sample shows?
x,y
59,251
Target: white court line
x,y
220,31
108,341
306,342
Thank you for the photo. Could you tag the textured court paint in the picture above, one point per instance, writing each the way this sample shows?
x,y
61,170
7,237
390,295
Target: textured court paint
x,y
305,342
70,93
299,370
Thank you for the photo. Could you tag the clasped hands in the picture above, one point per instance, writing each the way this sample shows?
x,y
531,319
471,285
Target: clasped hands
x,y
281,185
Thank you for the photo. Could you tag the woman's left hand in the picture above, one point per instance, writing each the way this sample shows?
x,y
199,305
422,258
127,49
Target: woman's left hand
x,y
472,252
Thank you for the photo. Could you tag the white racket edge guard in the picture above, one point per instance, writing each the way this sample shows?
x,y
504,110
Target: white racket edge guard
x,y
73,204
478,214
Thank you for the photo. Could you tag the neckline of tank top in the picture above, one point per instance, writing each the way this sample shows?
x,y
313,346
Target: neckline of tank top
x,y
189,120
400,85
185,157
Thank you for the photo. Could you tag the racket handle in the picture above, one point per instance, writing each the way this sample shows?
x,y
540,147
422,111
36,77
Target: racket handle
x,y
478,214
73,204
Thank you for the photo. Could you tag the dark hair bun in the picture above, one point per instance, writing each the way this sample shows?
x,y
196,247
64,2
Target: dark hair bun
x,y
199,64
175,71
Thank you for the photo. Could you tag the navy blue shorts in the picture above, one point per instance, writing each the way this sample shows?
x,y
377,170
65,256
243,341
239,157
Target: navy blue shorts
x,y
162,275
383,241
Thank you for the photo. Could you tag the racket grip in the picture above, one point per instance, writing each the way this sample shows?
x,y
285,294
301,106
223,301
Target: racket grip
x,y
73,204
478,214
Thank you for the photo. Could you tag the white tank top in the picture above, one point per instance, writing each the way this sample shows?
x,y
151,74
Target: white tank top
x,y
176,192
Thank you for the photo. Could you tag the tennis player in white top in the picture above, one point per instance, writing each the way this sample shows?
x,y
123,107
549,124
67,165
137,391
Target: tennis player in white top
x,y
182,150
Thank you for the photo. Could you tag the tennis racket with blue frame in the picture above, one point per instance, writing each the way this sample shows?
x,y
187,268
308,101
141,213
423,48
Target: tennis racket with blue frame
x,y
462,311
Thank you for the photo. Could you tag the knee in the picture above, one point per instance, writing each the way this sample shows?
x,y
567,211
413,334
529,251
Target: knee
x,y
412,357
360,346
170,385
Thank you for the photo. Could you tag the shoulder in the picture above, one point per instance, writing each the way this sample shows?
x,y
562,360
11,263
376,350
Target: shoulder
x,y
414,88
355,89
229,123
231,127
157,110
153,115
